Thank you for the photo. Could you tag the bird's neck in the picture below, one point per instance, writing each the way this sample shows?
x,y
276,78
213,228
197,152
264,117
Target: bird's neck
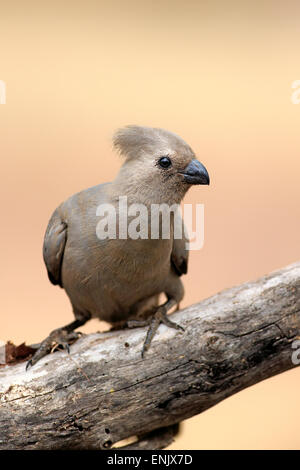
x,y
139,192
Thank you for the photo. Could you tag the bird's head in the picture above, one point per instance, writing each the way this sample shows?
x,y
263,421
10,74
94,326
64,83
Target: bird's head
x,y
159,164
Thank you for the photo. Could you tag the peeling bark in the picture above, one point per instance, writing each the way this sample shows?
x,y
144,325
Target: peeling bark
x,y
104,392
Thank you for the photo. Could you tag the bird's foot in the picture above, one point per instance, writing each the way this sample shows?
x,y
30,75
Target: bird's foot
x,y
119,325
58,339
160,316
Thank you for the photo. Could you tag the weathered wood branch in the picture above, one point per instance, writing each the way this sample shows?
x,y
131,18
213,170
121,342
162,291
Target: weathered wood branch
x,y
104,392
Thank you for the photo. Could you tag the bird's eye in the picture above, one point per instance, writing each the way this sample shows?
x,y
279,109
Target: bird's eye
x,y
165,162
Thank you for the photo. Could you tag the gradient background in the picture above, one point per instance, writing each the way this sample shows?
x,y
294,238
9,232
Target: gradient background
x,y
217,73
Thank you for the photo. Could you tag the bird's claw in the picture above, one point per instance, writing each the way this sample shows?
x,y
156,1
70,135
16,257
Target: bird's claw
x,y
29,364
57,338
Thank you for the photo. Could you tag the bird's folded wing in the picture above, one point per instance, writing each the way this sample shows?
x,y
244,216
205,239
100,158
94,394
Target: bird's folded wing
x,y
54,246
180,255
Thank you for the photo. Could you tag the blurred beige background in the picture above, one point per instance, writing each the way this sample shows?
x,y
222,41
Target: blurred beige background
x,y
217,73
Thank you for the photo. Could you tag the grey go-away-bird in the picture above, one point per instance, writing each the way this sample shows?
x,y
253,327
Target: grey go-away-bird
x,y
118,279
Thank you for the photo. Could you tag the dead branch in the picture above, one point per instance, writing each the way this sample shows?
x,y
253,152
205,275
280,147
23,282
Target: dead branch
x,y
104,392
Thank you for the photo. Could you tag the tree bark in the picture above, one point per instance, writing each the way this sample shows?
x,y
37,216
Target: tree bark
x,y
104,392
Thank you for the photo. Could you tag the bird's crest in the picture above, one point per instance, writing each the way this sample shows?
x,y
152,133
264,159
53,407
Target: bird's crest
x,y
131,141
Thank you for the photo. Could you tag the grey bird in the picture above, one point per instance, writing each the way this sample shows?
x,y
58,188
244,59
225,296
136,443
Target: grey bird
x,y
120,279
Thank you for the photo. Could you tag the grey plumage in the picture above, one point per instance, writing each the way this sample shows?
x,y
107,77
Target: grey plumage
x,y
116,279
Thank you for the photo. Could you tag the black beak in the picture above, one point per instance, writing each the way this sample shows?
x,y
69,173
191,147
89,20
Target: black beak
x,y
196,173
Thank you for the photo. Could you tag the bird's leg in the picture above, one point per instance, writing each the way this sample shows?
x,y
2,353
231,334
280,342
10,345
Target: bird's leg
x,y
59,337
160,316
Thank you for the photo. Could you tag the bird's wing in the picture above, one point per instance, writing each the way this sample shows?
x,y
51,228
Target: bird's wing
x,y
180,255
54,246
